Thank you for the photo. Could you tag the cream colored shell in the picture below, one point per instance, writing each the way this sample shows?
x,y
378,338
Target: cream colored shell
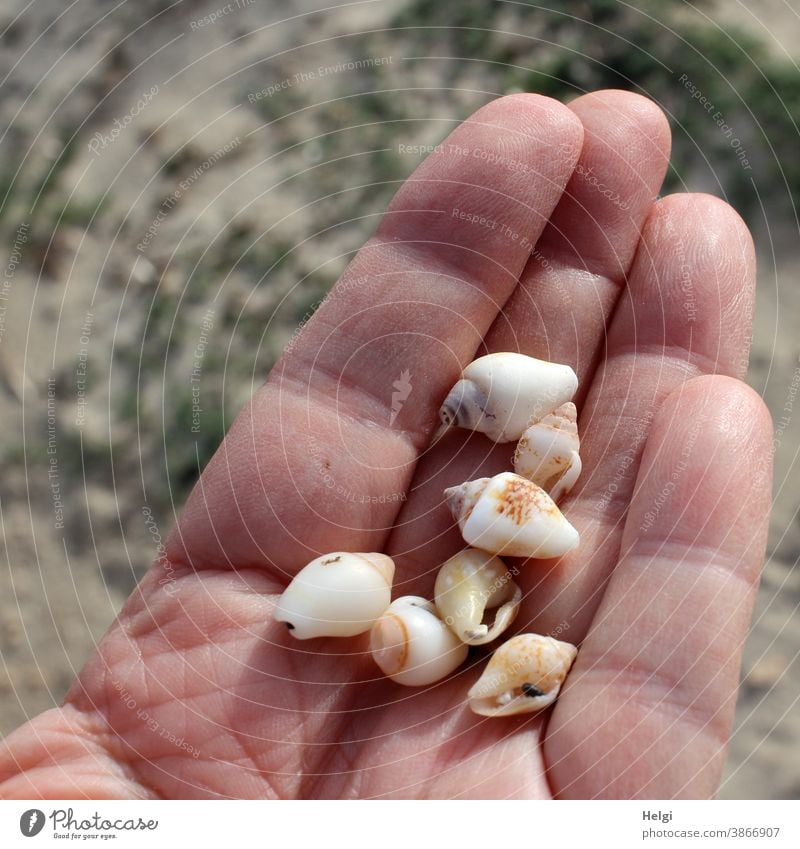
x,y
337,595
524,675
413,646
502,394
468,585
510,515
547,453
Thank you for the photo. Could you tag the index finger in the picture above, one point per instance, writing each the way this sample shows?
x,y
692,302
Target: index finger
x,y
321,458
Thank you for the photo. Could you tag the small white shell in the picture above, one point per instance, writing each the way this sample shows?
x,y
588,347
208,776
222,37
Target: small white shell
x,y
470,583
524,675
502,394
508,514
565,483
413,646
547,453
337,595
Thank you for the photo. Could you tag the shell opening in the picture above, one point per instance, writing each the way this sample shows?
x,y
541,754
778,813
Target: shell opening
x,y
511,701
465,406
496,618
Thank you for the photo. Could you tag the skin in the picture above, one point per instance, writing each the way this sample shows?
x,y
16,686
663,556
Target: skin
x,y
196,692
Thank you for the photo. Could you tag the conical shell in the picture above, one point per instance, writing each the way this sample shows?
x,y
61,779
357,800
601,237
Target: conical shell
x,y
337,595
502,394
547,452
509,515
570,477
468,585
524,675
412,646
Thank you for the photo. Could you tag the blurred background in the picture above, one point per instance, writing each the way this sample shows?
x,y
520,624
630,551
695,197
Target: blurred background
x,y
181,183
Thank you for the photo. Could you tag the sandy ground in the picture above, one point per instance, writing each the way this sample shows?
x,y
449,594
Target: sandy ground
x,y
96,332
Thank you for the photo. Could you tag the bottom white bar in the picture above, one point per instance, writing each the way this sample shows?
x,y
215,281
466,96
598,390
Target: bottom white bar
x,y
404,825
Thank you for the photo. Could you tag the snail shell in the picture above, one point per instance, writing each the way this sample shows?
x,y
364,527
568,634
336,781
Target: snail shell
x,y
413,646
565,483
524,675
337,595
547,453
470,583
508,514
502,394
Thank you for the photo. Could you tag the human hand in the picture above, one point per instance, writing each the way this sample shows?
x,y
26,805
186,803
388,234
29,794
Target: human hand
x,y
196,691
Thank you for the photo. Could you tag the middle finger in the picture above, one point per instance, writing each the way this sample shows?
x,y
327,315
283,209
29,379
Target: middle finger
x,y
558,311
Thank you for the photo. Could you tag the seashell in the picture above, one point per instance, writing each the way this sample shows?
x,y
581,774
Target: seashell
x,y
565,483
470,583
337,595
503,394
413,646
547,453
508,514
524,675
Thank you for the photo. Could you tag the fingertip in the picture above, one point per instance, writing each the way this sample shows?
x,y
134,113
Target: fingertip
x,y
735,416
538,115
705,220
540,103
629,109
692,284
721,430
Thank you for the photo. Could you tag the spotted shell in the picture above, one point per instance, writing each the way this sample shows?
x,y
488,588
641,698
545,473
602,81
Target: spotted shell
x,y
524,675
509,515
547,452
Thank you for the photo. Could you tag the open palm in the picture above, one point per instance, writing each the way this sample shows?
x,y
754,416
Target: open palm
x,y
196,691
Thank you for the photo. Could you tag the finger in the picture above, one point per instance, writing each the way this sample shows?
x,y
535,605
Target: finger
x,y
322,456
687,311
569,287
558,311
649,705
